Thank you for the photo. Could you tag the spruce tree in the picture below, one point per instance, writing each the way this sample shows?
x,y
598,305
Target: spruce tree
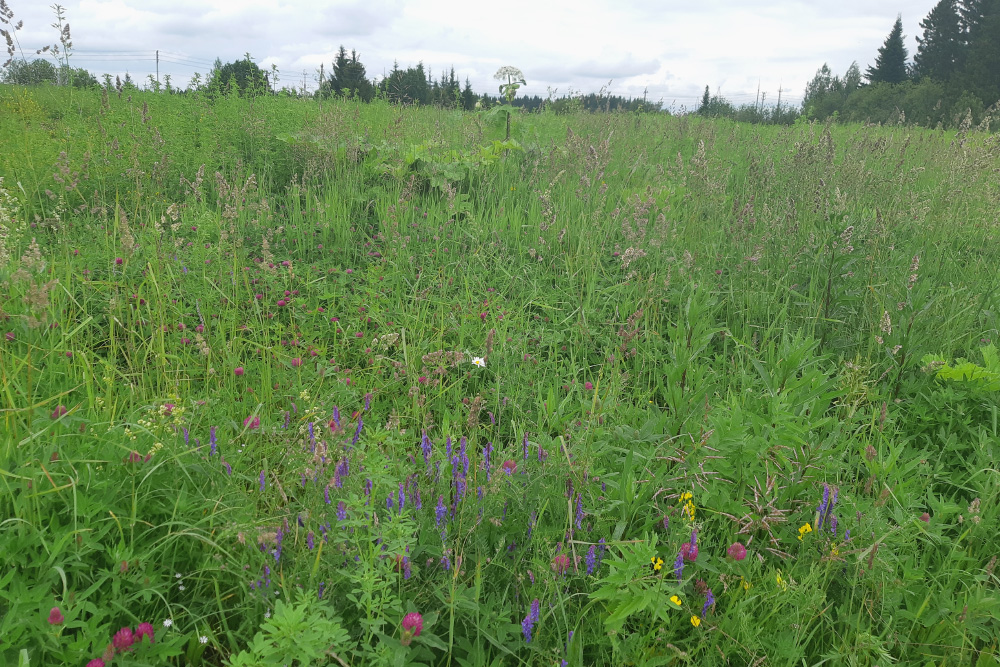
x,y
940,50
890,64
981,24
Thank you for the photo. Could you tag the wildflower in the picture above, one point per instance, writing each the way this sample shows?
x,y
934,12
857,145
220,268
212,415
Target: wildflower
x,y
59,412
695,621
591,559
579,511
56,617
479,361
782,584
167,622
319,594
655,563
238,371
588,385
123,639
676,600
203,639
689,551
144,630
709,602
251,422
439,512
679,566
528,624
560,563
413,625
341,511
736,551
212,441
804,530
262,480
509,467
119,261
96,662
525,446
745,584
296,362
925,517
426,446
402,497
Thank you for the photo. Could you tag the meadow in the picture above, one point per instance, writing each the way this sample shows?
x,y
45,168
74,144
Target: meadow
x,y
290,383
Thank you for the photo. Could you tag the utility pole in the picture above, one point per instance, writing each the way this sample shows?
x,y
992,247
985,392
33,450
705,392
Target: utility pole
x,y
157,67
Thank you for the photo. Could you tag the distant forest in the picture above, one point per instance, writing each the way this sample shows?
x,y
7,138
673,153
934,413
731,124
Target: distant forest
x,y
953,80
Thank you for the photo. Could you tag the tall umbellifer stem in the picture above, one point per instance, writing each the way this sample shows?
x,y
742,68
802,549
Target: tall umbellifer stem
x,y
515,79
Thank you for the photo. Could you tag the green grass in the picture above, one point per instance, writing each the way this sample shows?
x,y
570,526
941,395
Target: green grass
x,y
665,305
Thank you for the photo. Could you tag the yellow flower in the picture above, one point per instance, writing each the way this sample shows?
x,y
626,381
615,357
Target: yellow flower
x,y
806,528
656,563
695,621
746,584
782,584
676,600
685,496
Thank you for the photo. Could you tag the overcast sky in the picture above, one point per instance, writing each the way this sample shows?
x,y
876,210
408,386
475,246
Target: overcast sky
x,y
673,49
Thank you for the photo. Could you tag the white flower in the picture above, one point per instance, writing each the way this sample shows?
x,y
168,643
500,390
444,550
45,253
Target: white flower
x,y
203,639
178,575
181,587
167,622
479,361
267,614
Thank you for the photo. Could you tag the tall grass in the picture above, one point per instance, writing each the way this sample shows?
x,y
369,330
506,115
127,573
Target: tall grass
x,y
238,391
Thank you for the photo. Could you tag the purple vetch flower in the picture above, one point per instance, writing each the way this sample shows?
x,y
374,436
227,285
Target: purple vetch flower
x,y
309,541
277,549
312,437
439,512
525,445
447,447
326,494
388,502
679,566
341,511
427,447
229,468
487,450
368,401
357,433
821,510
186,437
601,548
479,493
303,478
528,624
847,535
591,559
666,523
336,416
579,511
302,524
288,418
418,503
407,572
833,524
402,497
531,521
445,563
709,601
322,585
261,480
212,441
694,539
368,490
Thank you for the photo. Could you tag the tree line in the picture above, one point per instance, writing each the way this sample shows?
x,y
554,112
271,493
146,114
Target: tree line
x,y
953,78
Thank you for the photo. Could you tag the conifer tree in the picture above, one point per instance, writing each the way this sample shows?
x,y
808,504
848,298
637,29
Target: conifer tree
x,y
940,50
890,64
